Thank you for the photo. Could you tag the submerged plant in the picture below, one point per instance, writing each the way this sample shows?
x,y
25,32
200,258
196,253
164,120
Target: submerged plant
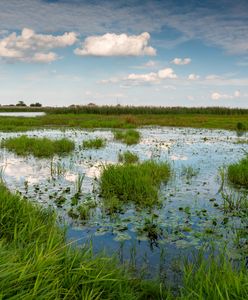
x,y
129,137
138,183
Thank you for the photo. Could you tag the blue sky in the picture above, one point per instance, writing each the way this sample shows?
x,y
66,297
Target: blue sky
x,y
190,53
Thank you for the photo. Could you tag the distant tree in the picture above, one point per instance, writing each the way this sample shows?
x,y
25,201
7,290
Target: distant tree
x,y
91,104
37,104
21,103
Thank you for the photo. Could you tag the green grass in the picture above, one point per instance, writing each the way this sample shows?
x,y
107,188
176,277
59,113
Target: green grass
x,y
138,183
214,278
196,119
238,172
128,157
39,147
129,137
36,263
94,143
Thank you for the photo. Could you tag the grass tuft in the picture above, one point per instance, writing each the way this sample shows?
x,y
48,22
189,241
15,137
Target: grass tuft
x,y
38,147
94,143
128,157
138,183
129,137
238,172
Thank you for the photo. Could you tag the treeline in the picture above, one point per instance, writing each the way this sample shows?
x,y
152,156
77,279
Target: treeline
x,y
133,110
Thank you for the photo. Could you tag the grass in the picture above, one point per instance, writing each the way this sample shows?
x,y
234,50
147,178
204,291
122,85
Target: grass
x,y
94,143
128,157
39,147
214,278
138,183
129,137
186,118
238,172
36,263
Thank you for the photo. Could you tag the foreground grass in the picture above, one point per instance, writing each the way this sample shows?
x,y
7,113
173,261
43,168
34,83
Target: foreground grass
x,y
36,263
238,172
137,183
94,143
129,137
39,147
196,120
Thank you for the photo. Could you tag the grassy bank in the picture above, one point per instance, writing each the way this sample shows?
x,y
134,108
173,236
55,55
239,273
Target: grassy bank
x,y
36,263
39,147
211,121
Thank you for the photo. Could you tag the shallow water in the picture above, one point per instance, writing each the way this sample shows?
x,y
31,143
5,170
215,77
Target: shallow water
x,y
190,215
22,114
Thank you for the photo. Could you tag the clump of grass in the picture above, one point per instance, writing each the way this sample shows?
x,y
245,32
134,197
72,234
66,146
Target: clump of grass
x,y
79,184
134,182
39,147
241,126
236,204
189,172
94,143
129,137
36,263
238,172
128,157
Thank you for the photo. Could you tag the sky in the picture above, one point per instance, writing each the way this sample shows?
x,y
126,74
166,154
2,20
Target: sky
x,y
160,53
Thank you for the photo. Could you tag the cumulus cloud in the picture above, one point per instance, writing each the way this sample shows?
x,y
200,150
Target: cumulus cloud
x,y
219,96
193,76
181,61
32,47
111,44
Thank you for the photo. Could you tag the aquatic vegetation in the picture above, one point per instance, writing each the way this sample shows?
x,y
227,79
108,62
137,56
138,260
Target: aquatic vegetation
x,y
57,169
94,143
241,126
238,172
235,203
112,205
129,137
34,255
39,147
128,157
138,183
189,172
151,229
84,212
79,184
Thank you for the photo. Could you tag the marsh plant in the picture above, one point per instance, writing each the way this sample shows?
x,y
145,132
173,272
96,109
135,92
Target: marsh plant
x,y
38,147
235,203
238,172
189,172
94,143
138,183
79,183
128,157
129,137
57,169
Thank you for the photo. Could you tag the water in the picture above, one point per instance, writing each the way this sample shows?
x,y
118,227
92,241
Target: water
x,y
22,114
190,216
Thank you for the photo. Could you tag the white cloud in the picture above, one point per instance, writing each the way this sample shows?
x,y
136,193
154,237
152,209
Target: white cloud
x,y
32,47
193,77
150,64
181,61
111,44
219,96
